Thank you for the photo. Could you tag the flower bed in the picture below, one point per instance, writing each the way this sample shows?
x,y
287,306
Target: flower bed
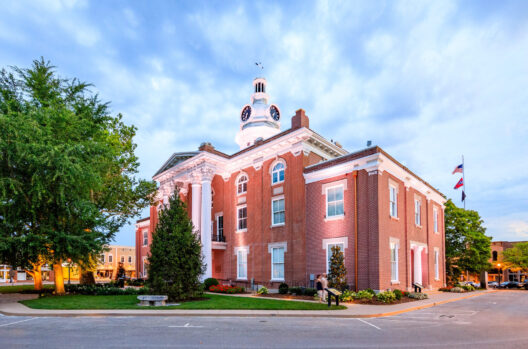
x,y
383,298
226,289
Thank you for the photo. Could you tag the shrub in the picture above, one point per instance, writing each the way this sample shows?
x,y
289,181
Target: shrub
x,y
296,291
135,282
405,294
386,297
398,294
347,296
371,291
283,288
363,294
104,290
457,290
417,295
226,289
312,292
468,288
210,282
445,289
263,290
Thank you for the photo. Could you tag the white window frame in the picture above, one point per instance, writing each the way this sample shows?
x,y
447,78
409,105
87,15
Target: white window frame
x,y
145,237
418,212
437,263
122,259
273,171
327,245
129,259
435,219
145,267
393,189
273,223
337,216
217,219
238,219
244,184
239,252
110,258
276,246
394,245
102,259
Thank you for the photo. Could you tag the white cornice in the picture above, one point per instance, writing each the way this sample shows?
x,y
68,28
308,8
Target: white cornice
x,y
380,163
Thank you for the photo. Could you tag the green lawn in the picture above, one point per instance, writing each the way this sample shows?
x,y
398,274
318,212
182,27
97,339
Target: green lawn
x,y
130,302
19,288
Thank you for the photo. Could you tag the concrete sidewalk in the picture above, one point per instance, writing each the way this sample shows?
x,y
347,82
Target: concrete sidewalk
x,y
352,311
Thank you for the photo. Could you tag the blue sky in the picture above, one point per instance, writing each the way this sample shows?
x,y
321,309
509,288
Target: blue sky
x,y
427,81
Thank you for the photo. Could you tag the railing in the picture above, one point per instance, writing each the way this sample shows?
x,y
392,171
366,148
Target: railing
x,y
218,237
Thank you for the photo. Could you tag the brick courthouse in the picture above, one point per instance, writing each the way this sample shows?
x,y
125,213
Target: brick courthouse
x,y
272,211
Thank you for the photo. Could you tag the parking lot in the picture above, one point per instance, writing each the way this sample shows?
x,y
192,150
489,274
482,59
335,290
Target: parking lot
x,y
496,319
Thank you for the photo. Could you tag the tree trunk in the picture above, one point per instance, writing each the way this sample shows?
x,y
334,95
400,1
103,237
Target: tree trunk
x,y
86,277
36,274
59,279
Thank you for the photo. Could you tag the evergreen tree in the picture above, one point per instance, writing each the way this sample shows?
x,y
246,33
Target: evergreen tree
x,y
175,263
337,275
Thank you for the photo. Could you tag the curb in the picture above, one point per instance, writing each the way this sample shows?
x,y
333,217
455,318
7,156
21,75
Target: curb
x,y
277,313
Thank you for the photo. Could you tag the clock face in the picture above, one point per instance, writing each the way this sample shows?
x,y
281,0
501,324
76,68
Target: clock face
x,y
274,112
246,113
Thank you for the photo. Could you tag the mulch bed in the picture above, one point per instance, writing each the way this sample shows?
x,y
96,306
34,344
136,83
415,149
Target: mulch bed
x,y
376,302
287,296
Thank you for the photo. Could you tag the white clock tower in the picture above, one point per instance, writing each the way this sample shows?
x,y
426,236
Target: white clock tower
x,y
258,119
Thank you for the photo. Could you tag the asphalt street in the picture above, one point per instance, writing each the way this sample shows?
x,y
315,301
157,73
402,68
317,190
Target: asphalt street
x,y
496,320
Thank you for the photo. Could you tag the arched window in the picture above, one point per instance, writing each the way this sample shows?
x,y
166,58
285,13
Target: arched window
x,y
277,173
494,256
242,184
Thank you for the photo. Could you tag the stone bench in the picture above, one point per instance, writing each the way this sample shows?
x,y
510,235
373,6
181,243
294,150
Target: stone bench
x,y
149,300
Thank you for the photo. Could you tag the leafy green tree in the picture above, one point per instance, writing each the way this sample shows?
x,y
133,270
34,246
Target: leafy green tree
x,y
467,246
516,257
67,171
337,274
175,263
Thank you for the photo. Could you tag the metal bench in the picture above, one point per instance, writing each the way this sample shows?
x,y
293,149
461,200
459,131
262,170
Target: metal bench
x,y
151,300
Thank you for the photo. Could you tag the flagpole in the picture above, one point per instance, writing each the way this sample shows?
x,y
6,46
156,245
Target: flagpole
x,y
464,180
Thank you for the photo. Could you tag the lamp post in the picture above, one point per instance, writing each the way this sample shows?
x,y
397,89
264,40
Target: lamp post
x,y
69,267
498,265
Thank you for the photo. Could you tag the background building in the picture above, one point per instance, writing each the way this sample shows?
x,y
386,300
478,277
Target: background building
x,y
110,259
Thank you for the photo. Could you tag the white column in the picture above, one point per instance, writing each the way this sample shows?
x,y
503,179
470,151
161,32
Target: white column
x,y
418,264
196,205
206,227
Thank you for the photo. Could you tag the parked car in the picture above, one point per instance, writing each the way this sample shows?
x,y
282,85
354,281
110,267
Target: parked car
x,y
509,284
493,283
474,284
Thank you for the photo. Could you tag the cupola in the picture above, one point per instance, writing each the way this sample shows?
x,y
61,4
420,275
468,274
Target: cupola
x,y
259,119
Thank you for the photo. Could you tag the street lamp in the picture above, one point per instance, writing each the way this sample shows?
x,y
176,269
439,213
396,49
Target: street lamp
x,y
69,267
498,265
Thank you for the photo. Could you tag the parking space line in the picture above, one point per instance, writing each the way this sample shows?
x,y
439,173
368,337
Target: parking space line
x,y
17,322
368,323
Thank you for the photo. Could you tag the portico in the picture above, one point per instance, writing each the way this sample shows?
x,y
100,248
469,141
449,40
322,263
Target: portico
x,y
418,262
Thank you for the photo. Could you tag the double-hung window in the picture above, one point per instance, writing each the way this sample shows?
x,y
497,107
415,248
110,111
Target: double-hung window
x,y
242,184
242,218
122,259
110,259
102,258
393,193
334,202
145,238
277,174
436,266
394,261
278,214
242,264
220,228
417,212
435,219
129,259
277,263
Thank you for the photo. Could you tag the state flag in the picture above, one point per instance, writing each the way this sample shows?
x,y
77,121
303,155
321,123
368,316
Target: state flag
x,y
460,183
